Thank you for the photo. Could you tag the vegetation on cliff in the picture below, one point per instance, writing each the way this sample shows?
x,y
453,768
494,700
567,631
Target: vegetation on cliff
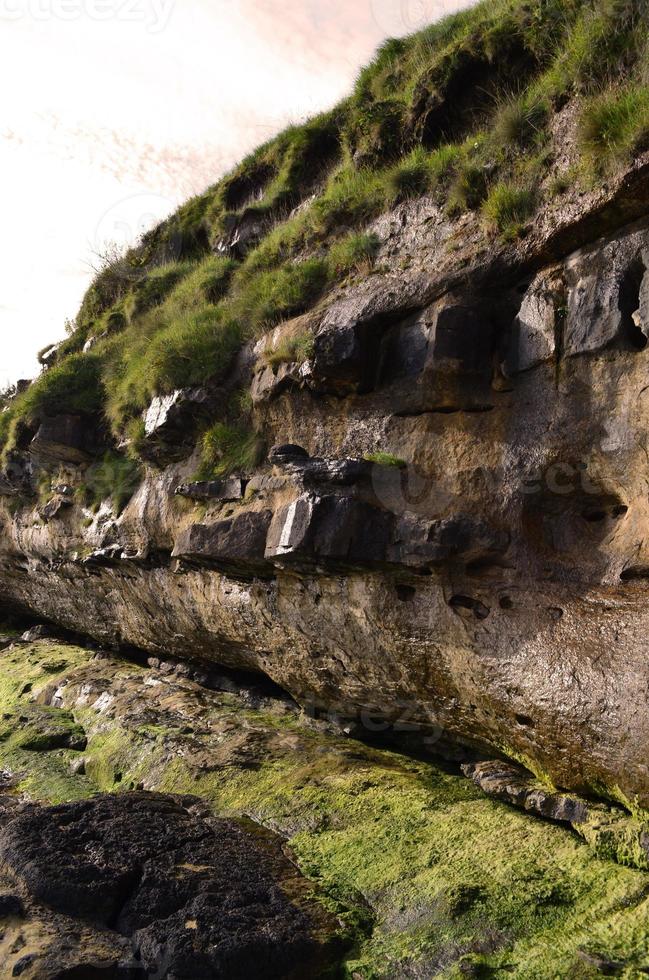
x,y
437,113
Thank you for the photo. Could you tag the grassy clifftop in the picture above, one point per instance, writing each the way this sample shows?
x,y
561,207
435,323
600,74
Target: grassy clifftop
x,y
462,111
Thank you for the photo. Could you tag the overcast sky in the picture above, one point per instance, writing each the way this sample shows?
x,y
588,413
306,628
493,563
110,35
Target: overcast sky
x,y
115,111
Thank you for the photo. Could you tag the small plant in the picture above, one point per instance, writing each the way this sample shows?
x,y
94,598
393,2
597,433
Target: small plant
x,y
507,208
385,459
227,449
412,177
519,122
469,189
562,182
293,350
615,124
354,253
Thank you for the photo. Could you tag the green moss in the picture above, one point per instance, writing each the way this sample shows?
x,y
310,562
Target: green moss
x,y
432,877
386,459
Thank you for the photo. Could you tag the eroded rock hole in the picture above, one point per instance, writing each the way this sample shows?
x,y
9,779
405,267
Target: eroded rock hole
x,y
406,593
465,602
629,303
524,720
505,602
634,572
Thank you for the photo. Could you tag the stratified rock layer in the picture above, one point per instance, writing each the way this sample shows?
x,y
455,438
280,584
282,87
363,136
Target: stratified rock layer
x,y
484,574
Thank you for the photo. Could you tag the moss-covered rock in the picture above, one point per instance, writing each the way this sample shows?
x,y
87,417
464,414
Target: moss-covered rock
x,y
432,876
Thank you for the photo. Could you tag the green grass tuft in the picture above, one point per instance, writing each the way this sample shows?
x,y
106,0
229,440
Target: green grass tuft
x,y
293,350
353,253
615,124
508,208
386,459
227,449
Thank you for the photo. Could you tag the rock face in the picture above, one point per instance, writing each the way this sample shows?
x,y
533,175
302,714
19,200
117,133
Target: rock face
x,y
452,527
197,897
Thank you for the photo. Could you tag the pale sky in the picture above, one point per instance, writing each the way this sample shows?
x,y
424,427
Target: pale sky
x,y
115,111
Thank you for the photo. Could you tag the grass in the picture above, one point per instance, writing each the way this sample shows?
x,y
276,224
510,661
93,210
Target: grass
x,y
386,459
293,350
432,877
227,449
520,121
615,124
434,113
355,253
507,208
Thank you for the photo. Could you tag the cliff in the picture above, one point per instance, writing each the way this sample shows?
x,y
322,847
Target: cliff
x,y
369,416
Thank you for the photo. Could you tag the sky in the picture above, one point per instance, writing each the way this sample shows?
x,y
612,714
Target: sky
x,y
115,111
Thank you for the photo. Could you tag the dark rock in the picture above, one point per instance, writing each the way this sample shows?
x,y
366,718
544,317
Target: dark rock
x,y
417,542
24,963
287,455
66,438
338,472
63,490
340,529
53,507
10,905
199,897
238,540
242,232
219,490
170,421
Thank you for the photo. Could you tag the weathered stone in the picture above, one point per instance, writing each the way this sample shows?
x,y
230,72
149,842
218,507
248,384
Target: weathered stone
x,y
339,529
230,489
242,232
236,541
198,897
534,330
608,296
287,455
513,784
65,438
17,475
54,506
456,539
170,420
40,632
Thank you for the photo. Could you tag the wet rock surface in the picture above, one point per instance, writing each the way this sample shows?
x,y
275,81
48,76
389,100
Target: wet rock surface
x,y
197,896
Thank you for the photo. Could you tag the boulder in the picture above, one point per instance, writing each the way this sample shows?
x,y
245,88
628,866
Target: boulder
x,y
533,335
196,896
237,541
338,529
170,421
65,438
